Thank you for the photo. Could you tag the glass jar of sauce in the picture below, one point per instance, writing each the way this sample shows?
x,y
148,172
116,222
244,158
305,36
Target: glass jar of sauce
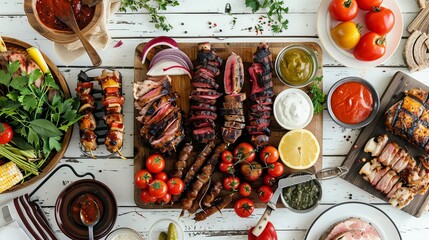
x,y
296,65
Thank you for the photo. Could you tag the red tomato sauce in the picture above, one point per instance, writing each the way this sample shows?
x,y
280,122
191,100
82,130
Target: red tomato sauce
x,y
352,102
89,210
45,10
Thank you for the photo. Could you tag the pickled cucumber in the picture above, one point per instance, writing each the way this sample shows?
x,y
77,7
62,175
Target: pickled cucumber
x,y
172,232
163,236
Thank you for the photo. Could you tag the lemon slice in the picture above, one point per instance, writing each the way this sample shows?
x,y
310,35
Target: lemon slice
x,y
299,149
37,57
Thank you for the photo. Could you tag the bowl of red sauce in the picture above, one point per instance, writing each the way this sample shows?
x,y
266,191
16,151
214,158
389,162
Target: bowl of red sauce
x,y
41,16
353,102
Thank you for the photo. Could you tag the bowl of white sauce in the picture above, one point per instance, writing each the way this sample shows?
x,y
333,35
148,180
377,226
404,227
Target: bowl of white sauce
x,y
293,109
124,234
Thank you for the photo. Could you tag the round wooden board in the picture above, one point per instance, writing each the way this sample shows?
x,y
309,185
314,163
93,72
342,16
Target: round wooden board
x,y
17,45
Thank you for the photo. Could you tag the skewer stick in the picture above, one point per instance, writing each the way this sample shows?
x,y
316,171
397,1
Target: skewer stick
x,y
120,154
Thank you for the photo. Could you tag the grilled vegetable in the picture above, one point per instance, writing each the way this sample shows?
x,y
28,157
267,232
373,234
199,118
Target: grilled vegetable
x,y
9,176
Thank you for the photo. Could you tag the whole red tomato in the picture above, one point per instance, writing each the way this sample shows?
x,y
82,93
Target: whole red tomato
x,y
343,10
244,207
142,179
146,198
380,20
155,163
269,180
162,176
244,152
276,169
370,47
6,133
269,154
244,189
269,233
158,188
226,167
164,200
175,186
367,5
227,156
231,183
265,193
251,171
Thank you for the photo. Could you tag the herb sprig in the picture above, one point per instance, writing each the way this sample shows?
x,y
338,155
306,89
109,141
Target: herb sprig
x,y
152,7
317,96
274,14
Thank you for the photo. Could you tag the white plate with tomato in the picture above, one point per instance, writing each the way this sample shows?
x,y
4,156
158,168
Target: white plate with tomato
x,y
368,51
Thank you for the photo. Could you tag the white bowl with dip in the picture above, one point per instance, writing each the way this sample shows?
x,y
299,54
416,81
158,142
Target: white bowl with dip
x,y
293,109
124,234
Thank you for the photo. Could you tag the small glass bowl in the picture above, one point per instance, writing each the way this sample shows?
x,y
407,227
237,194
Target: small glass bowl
x,y
130,234
162,226
318,184
314,62
375,97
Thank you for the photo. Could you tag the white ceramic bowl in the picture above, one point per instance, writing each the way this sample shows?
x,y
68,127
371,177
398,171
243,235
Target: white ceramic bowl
x,y
162,226
277,113
124,233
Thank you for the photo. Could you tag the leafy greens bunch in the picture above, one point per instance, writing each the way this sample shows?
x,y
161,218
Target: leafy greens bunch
x,y
274,14
38,114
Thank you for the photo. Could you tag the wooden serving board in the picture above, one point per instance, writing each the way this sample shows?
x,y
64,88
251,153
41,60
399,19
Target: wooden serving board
x,y
182,85
393,93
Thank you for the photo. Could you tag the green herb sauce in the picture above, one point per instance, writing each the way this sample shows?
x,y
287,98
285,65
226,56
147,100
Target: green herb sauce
x,y
296,66
302,196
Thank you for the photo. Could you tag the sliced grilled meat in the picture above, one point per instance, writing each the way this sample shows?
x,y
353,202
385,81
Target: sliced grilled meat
x,y
204,135
235,125
230,105
238,97
231,111
230,135
203,107
235,118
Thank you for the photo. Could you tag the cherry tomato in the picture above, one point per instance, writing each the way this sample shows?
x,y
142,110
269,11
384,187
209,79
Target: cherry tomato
x,y
367,5
244,152
162,176
265,193
269,154
269,180
155,163
380,20
244,189
276,169
158,188
227,156
146,198
251,171
370,47
164,200
142,179
6,133
175,186
343,10
244,207
346,35
231,183
226,167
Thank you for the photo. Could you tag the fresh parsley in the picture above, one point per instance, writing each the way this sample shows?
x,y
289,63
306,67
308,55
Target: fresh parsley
x,y
275,13
36,109
152,7
317,96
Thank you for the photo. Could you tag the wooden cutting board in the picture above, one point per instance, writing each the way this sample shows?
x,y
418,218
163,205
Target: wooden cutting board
x,y
393,93
182,85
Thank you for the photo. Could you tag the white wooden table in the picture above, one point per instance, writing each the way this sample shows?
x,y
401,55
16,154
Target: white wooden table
x,y
190,21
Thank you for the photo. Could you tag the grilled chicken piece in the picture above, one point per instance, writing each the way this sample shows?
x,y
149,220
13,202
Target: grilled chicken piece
x,y
114,141
408,118
88,140
87,122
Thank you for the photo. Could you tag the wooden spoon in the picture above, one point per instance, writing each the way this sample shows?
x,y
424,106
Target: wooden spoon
x,y
64,12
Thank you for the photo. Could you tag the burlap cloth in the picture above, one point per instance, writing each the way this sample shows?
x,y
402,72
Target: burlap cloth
x,y
98,37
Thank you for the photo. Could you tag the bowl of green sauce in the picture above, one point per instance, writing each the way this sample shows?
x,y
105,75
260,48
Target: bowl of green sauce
x,y
303,197
296,65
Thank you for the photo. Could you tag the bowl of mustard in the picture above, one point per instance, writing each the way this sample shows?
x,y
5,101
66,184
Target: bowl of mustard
x,y
296,65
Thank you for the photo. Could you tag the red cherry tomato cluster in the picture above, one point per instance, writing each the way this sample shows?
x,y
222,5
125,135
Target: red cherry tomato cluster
x,y
378,20
244,166
155,184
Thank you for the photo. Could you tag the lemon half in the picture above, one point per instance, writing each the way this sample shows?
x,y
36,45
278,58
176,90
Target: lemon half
x,y
299,149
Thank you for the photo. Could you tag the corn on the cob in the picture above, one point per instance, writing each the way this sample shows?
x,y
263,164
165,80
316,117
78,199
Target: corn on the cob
x,y
2,46
9,176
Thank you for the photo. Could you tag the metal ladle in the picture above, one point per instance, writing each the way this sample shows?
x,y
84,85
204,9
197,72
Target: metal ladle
x,y
90,223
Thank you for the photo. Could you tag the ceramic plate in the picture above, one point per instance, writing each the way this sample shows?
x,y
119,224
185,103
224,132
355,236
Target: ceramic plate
x,y
67,211
384,225
325,24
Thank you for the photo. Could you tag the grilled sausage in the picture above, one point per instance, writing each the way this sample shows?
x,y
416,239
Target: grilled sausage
x,y
204,214
180,164
212,194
